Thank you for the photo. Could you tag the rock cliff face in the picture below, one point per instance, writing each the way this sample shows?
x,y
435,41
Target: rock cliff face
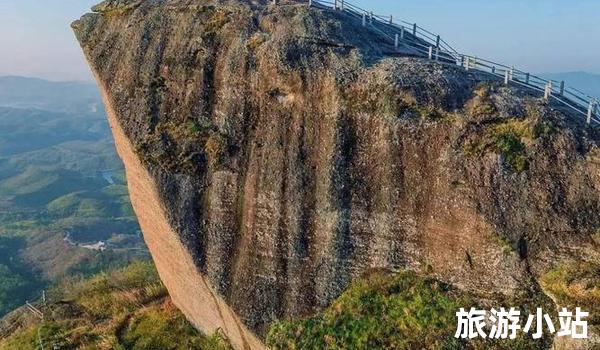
x,y
276,152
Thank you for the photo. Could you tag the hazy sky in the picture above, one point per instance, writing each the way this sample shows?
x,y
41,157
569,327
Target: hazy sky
x,y
534,35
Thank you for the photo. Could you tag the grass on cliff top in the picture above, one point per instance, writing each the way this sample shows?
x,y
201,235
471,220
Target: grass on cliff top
x,y
125,309
402,311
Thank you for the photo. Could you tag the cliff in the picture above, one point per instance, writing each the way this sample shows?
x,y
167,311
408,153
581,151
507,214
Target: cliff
x,y
276,152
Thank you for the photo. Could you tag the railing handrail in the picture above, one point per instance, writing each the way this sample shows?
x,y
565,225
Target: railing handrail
x,y
424,42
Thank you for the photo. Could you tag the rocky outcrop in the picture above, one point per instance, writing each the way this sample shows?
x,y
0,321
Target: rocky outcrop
x,y
276,152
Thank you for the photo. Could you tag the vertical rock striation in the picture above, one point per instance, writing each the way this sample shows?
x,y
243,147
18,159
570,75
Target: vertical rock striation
x,y
274,153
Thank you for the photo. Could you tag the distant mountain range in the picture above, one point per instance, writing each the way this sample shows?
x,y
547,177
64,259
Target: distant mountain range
x,y
586,82
21,92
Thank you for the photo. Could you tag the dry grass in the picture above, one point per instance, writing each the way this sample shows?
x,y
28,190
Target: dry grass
x,y
256,40
216,148
596,236
481,105
124,309
576,284
218,19
382,100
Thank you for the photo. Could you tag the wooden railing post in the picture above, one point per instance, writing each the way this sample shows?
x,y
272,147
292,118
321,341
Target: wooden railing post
x,y
391,19
342,8
512,73
468,63
548,91
506,77
364,20
402,32
371,17
415,29
430,52
397,41
527,75
437,42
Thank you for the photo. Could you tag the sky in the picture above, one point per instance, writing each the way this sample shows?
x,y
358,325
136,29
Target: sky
x,y
541,36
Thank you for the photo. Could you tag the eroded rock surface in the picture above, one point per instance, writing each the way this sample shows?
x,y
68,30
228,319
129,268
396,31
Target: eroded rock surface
x,y
274,153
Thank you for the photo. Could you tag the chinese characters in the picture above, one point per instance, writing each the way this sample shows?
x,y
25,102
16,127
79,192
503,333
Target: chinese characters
x,y
503,324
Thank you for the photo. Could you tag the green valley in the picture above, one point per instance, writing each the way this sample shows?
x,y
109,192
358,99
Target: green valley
x,y
64,205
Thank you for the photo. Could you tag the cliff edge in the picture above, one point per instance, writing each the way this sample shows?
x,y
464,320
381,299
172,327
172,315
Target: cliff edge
x,y
276,152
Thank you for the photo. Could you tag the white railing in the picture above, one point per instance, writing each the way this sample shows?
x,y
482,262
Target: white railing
x,y
429,45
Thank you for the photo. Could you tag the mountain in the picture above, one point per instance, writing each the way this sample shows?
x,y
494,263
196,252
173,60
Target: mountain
x,y
22,92
62,189
277,154
586,82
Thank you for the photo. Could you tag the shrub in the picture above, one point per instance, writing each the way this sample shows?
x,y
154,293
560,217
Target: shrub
x,y
218,18
216,147
504,244
190,130
506,138
510,145
433,114
199,127
480,104
543,128
256,40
